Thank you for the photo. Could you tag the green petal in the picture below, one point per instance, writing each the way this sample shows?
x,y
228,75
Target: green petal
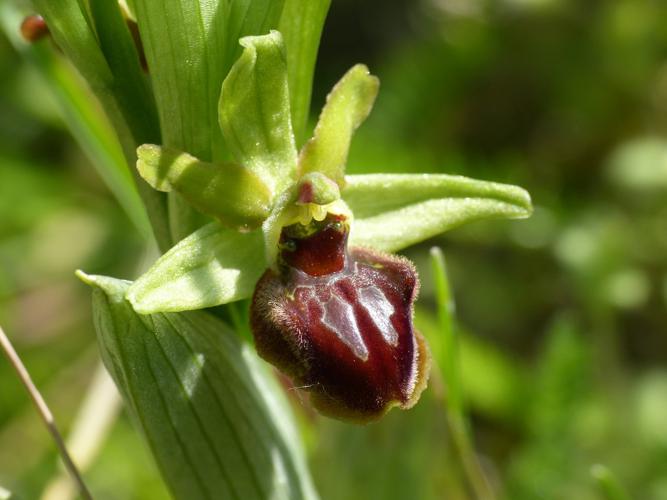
x,y
207,409
212,266
348,105
392,212
254,111
229,192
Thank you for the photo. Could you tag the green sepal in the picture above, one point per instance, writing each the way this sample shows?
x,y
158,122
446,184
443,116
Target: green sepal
x,y
348,104
394,211
216,266
227,191
208,410
212,266
254,111
190,45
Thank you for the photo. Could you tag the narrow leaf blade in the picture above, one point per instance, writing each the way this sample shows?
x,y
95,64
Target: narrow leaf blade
x,y
393,211
348,105
130,86
254,111
301,25
74,34
195,392
71,31
229,192
212,266
447,352
80,112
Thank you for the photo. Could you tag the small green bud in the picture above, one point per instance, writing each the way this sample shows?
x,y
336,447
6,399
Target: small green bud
x,y
317,188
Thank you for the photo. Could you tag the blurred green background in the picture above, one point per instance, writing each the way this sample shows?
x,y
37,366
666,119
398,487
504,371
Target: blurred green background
x,y
563,317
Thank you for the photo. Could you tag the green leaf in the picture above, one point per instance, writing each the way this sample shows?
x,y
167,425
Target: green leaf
x,y
212,266
211,416
190,46
75,36
301,25
348,105
133,97
81,114
73,33
226,191
254,111
394,211
129,85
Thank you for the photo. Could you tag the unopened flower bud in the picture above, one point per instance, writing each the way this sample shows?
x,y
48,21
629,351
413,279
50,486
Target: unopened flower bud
x,y
34,28
339,322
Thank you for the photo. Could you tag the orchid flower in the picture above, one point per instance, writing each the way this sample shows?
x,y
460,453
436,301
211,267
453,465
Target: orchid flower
x,y
338,321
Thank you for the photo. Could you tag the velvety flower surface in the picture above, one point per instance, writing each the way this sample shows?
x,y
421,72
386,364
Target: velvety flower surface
x,y
339,322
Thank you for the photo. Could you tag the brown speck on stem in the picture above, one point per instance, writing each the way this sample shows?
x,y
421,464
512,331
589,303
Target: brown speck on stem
x,y
134,32
34,28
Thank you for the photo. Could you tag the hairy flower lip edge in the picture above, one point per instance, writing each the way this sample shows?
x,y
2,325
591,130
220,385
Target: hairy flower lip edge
x,y
422,376
280,350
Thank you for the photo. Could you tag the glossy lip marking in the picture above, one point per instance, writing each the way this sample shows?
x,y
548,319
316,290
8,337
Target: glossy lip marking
x,y
380,310
339,317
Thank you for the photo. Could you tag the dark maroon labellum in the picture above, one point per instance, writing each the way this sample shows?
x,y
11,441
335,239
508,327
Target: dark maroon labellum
x,y
339,322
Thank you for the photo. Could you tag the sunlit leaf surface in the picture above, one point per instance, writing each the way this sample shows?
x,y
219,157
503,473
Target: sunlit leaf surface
x,y
201,401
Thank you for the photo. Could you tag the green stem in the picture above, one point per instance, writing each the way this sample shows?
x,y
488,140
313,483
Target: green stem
x,y
448,357
607,483
44,413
